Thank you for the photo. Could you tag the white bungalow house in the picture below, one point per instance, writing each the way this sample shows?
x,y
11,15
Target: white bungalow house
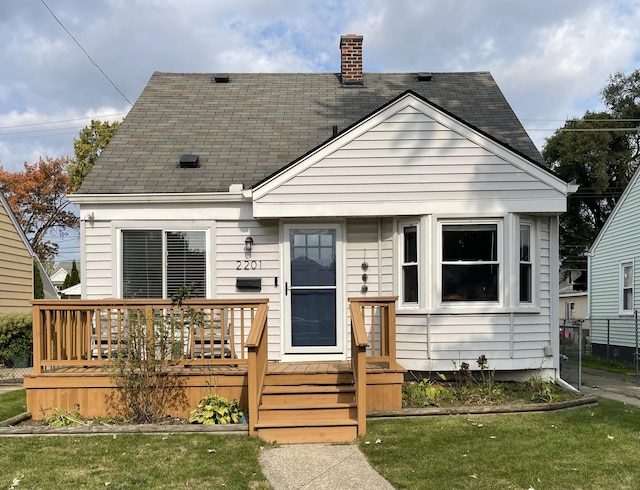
x,y
309,189
614,280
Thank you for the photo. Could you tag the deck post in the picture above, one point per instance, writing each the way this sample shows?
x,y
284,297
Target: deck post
x,y
391,334
37,340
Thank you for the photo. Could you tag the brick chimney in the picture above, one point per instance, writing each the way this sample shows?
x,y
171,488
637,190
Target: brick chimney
x,y
351,59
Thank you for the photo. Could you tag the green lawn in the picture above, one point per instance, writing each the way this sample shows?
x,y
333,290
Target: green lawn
x,y
587,448
12,403
132,461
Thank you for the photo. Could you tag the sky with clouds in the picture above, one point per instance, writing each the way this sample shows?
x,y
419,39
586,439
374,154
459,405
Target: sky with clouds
x,y
550,58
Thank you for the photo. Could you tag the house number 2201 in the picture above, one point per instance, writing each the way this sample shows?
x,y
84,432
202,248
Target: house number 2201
x,y
248,265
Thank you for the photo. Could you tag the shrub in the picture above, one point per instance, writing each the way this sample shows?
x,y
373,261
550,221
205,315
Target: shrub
x,y
215,409
145,388
16,336
425,393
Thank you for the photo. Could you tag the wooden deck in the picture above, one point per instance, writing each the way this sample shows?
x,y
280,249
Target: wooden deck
x,y
89,387
317,401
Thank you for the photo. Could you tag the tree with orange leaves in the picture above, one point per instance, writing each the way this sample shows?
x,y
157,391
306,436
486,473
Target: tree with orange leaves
x,y
37,197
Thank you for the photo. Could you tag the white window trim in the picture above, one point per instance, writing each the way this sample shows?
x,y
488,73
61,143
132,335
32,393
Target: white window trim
x,y
401,225
621,267
471,305
118,227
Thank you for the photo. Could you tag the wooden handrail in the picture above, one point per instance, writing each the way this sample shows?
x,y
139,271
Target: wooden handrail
x,y
359,344
379,318
258,353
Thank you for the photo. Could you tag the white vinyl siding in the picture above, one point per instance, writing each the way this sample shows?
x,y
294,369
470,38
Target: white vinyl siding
x,y
263,262
362,258
100,264
408,164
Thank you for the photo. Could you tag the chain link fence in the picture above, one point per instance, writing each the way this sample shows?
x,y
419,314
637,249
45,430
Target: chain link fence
x,y
14,370
615,340
574,344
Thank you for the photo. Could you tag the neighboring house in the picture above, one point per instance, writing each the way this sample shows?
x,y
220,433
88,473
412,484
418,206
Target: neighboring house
x,y
72,292
58,277
573,299
614,279
62,270
308,189
16,265
573,305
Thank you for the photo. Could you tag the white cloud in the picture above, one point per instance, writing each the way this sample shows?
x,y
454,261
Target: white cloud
x,y
550,58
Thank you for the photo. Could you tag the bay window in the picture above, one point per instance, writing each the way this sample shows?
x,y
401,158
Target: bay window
x,y
409,238
526,264
470,254
157,263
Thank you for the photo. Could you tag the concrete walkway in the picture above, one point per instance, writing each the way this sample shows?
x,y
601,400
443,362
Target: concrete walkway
x,y
4,388
320,467
620,387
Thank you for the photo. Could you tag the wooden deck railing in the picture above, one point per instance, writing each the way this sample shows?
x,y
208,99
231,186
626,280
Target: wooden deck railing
x,y
373,339
258,356
379,318
359,344
70,333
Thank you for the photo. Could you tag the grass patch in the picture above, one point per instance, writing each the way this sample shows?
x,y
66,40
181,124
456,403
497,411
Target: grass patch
x,y
132,461
609,366
13,403
587,448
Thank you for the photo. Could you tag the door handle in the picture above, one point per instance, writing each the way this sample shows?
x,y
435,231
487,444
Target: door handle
x,y
286,288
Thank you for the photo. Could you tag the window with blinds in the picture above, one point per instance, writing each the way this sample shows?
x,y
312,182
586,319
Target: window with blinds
x,y
157,263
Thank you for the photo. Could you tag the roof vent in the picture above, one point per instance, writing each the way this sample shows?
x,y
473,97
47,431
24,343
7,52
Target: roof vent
x,y
424,76
221,78
189,161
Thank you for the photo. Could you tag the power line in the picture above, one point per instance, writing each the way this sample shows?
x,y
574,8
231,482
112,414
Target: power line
x,y
62,121
85,52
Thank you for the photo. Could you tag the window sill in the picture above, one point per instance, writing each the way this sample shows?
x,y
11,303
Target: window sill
x,y
470,310
626,314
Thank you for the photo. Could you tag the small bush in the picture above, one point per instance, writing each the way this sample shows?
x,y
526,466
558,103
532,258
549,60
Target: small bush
x,y
16,336
215,409
425,393
58,417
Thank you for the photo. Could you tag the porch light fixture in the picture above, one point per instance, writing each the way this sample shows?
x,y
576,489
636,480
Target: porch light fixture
x,y
248,244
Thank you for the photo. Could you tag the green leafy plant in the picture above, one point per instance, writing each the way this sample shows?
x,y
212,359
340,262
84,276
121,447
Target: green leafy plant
x,y
426,392
215,409
542,390
57,417
16,336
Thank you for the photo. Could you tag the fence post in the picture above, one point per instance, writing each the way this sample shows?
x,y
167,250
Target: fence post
x,y
579,355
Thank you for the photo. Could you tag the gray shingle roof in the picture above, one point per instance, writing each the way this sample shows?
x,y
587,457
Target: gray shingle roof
x,y
251,127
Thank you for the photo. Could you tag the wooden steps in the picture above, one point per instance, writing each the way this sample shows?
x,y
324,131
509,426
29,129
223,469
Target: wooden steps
x,y
309,407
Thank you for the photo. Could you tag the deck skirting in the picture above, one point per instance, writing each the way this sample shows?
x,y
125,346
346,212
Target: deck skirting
x,y
91,391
